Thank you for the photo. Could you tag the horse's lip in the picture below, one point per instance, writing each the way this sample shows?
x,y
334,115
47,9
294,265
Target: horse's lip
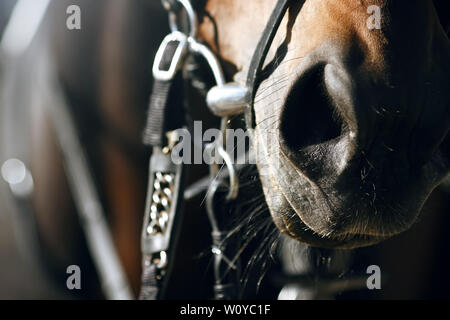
x,y
350,241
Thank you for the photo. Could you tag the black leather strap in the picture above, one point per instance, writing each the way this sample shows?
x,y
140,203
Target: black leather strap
x,y
259,56
165,110
156,120
150,285
165,113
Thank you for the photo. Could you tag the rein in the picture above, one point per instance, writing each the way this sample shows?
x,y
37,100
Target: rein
x,y
163,214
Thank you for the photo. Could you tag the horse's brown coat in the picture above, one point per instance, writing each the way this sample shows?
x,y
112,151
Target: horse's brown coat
x,y
391,69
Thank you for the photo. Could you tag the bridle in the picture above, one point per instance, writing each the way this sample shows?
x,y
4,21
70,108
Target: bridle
x,y
163,212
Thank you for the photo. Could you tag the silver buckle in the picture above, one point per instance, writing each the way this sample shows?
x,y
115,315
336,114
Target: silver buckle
x,y
177,59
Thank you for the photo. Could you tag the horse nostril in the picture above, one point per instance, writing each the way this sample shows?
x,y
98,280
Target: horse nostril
x,y
309,117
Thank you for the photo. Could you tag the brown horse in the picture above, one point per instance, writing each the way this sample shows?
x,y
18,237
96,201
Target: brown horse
x,y
353,121
351,124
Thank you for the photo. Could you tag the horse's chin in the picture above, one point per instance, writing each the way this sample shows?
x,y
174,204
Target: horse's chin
x,y
289,221
294,226
302,210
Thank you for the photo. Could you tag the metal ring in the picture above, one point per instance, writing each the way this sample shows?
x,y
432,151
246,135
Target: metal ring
x,y
173,23
232,172
234,181
210,58
210,209
191,15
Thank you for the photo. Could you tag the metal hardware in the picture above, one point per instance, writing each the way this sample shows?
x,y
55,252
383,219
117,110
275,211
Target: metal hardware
x,y
232,172
162,201
173,17
210,58
177,59
227,100
162,216
224,99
